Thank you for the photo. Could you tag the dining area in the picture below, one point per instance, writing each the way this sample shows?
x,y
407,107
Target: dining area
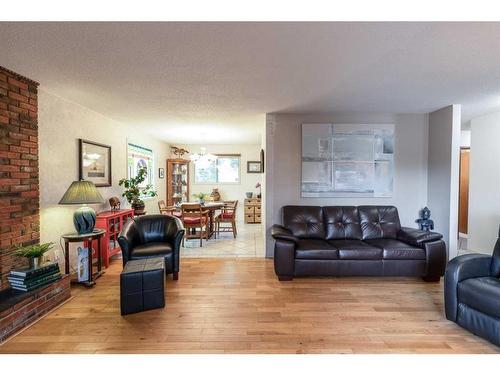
x,y
204,221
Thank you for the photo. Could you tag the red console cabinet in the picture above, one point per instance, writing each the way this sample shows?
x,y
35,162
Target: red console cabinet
x,y
112,222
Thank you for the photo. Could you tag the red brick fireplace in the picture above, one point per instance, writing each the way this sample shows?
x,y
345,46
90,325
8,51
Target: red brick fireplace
x,y
19,201
19,192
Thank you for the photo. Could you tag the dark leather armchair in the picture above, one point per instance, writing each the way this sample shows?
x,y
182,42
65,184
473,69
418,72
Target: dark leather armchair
x,y
152,236
472,293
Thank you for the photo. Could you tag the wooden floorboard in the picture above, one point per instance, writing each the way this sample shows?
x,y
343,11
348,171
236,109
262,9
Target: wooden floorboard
x,y
238,306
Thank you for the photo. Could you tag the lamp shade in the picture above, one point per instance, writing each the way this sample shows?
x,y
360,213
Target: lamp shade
x,y
81,192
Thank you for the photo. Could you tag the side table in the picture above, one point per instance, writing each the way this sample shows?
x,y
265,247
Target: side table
x,y
87,239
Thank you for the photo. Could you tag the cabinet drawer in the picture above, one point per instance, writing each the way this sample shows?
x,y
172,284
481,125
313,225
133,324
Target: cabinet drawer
x,y
257,209
249,218
249,210
257,218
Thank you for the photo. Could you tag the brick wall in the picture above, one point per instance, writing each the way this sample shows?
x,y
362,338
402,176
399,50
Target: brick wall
x,y
36,305
19,191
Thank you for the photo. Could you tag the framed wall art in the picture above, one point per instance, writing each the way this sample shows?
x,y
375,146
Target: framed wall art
x,y
347,160
94,162
254,167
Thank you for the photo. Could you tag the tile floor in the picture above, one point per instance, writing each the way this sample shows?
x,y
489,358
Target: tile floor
x,y
249,243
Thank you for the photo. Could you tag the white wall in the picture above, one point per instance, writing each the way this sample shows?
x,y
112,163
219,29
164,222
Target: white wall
x,y
484,183
283,164
250,152
443,173
61,123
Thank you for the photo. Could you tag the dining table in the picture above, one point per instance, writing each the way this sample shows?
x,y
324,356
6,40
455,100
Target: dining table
x,y
211,207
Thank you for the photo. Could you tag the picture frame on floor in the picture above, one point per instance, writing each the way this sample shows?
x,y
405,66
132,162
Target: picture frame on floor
x,y
94,162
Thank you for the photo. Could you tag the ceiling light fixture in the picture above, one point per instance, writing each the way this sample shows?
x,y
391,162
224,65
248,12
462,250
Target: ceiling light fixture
x,y
203,157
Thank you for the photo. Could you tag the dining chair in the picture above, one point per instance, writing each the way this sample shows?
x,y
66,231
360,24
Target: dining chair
x,y
168,210
227,215
194,217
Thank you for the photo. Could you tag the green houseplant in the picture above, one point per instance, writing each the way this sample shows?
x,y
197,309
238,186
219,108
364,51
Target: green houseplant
x,y
200,197
133,192
34,253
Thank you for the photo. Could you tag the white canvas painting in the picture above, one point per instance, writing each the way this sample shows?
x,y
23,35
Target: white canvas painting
x,y
347,160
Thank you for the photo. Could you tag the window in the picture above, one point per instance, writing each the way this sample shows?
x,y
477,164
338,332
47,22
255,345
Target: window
x,y
224,170
139,157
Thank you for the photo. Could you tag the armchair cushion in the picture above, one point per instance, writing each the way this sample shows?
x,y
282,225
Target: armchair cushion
x,y
281,233
151,249
417,237
482,294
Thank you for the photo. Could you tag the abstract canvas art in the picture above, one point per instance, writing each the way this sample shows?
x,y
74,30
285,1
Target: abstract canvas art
x,y
347,160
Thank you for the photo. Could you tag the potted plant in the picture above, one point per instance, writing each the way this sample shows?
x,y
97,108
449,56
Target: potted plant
x,y
133,192
200,197
34,253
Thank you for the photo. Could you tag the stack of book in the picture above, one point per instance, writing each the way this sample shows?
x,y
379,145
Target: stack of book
x,y
28,279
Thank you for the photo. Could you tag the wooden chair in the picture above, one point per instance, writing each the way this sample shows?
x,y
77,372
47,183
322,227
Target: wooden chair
x,y
195,217
168,210
228,215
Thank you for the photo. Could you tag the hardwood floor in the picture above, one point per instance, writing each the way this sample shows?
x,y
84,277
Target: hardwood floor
x,y
238,306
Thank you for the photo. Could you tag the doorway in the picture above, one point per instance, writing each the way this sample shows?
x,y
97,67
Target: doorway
x,y
463,200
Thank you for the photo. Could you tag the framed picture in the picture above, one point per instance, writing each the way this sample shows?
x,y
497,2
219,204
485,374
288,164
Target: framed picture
x,y
161,173
253,167
94,163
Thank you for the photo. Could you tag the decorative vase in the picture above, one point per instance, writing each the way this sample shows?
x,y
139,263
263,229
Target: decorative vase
x,y
201,200
35,262
215,195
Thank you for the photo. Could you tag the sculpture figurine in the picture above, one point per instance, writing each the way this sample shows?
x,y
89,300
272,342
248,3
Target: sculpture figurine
x,y
215,195
114,202
424,222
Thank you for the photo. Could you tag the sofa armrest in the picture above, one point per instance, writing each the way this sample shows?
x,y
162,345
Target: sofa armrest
x,y
461,268
417,237
281,233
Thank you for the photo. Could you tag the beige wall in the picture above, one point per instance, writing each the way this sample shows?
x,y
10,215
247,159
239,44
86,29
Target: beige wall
x,y
61,123
229,191
484,180
443,173
283,164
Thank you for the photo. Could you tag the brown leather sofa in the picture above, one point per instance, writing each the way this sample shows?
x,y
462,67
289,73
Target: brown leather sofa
x,y
354,241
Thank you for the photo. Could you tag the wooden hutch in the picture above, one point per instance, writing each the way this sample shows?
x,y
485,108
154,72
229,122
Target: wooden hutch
x,y
177,181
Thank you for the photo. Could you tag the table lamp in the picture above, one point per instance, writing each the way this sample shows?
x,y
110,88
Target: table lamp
x,y
82,192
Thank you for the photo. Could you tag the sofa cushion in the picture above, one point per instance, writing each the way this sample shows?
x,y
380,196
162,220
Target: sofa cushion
x,y
379,221
304,221
482,293
356,250
151,249
315,249
394,249
342,222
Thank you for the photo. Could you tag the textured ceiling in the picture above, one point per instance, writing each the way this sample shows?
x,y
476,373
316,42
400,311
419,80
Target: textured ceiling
x,y
213,82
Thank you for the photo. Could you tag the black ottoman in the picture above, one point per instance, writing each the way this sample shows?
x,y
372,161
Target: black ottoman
x,y
142,285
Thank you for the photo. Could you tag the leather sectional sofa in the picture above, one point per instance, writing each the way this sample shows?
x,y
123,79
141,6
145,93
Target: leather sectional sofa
x,y
354,241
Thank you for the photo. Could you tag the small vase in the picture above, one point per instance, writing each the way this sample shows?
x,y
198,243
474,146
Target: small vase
x,y
35,262
201,201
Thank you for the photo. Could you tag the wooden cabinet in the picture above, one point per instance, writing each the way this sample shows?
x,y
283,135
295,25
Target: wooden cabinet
x,y
252,211
112,222
177,181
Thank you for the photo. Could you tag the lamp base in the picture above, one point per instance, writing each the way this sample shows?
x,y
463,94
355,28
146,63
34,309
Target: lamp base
x,y
84,220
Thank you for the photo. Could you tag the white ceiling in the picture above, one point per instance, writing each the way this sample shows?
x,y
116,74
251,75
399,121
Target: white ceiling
x,y
213,82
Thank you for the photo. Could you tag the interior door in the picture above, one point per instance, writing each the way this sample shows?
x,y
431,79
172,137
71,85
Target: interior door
x,y
463,203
